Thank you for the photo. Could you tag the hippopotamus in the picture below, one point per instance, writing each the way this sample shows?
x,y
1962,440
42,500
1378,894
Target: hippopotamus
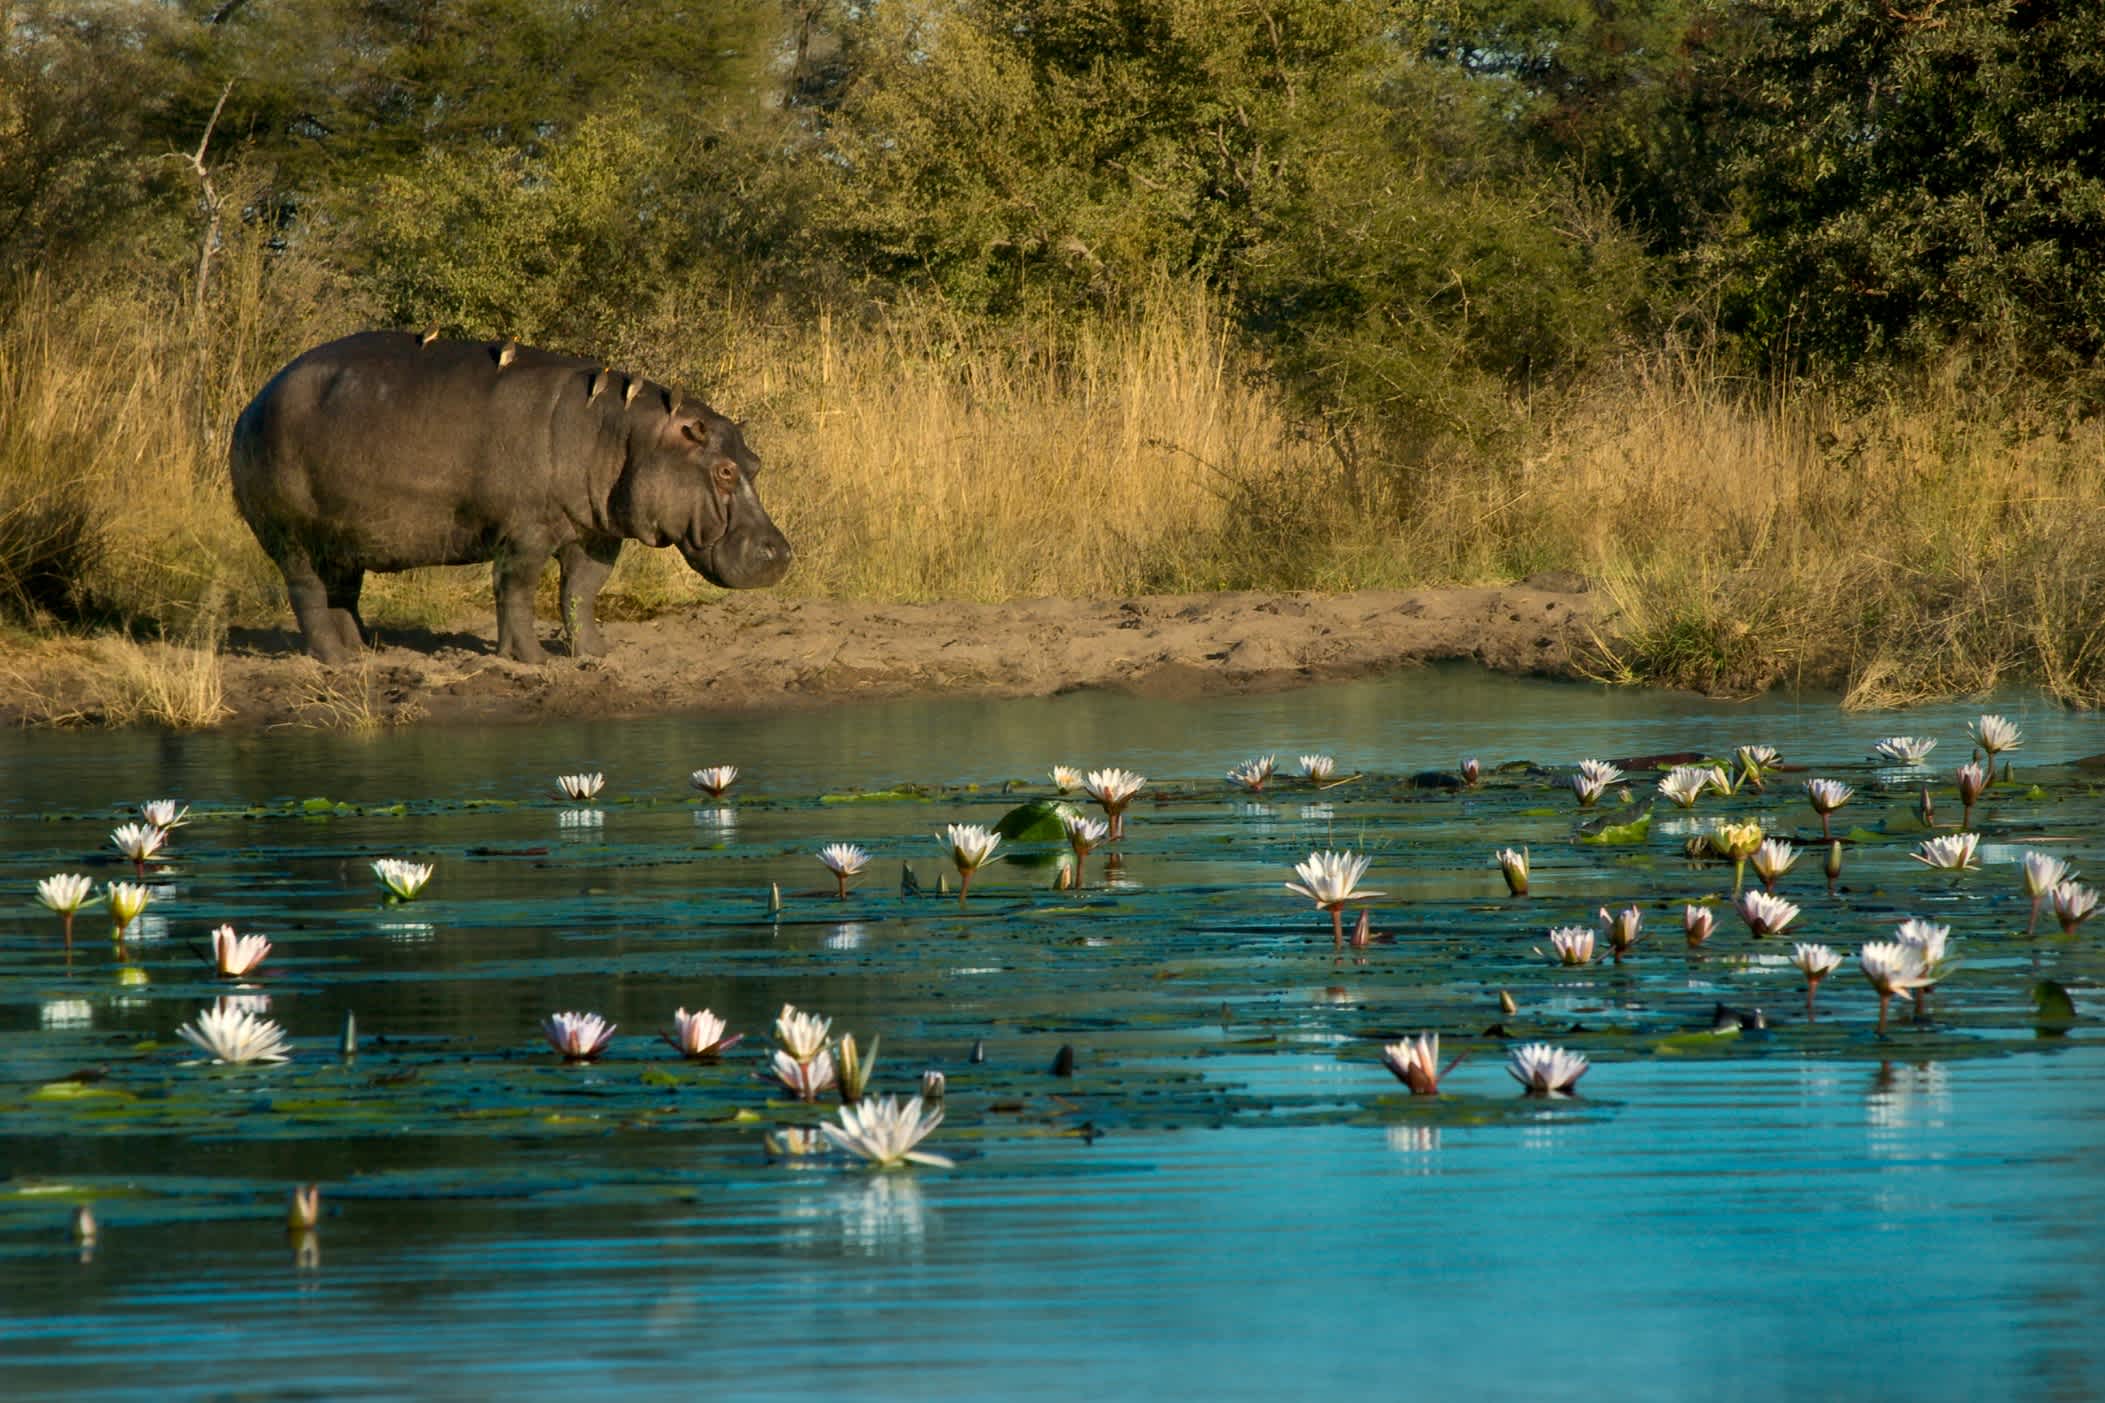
x,y
388,450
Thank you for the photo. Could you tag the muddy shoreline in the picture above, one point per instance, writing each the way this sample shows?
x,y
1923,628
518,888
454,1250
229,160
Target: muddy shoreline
x,y
746,651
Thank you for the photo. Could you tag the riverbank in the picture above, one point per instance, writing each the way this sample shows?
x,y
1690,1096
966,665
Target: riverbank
x,y
746,651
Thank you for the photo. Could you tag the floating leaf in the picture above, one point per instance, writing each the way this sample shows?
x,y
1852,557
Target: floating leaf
x,y
898,793
1039,821
2056,1008
1632,832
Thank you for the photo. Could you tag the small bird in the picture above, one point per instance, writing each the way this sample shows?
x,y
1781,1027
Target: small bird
x,y
428,337
507,353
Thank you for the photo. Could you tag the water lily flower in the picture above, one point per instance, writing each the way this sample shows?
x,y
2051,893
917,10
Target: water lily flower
x,y
84,1228
853,1068
802,1035
580,1037
713,780
1815,962
1973,783
1591,780
1514,867
933,1085
1892,968
1755,761
1083,834
843,860
1066,778
1472,771
1621,930
1904,750
2073,904
139,841
1331,880
1995,734
66,893
164,814
1571,945
230,1034
1252,774
885,1132
1543,1070
2042,874
235,955
1772,859
700,1035
1416,1063
581,787
1721,782
805,1080
402,879
1697,923
970,846
1927,939
1684,784
1113,789
1954,852
1826,795
1764,913
1737,841
127,900
1317,769
304,1210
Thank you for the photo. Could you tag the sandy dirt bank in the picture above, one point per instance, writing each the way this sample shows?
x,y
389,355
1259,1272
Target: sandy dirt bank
x,y
757,650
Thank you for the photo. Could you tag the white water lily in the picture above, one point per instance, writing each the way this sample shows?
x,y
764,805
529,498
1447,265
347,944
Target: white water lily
x,y
228,1033
970,846
1543,1070
1330,880
1684,784
1995,734
1591,779
1904,750
581,787
1066,778
1252,774
235,955
2042,873
843,860
402,879
1826,796
2073,905
66,893
1765,914
1954,852
802,1035
1621,930
1472,771
1721,782
1317,769
1756,761
1571,945
1113,789
1697,923
127,900
1416,1063
1772,859
1815,962
1892,969
1927,939
713,780
1513,866
580,1037
700,1035
164,814
885,1131
1083,834
139,842
805,1080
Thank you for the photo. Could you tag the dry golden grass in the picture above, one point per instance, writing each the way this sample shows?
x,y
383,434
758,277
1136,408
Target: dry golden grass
x,y
1928,544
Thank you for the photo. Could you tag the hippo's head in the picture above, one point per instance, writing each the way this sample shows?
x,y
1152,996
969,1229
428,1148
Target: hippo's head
x,y
694,482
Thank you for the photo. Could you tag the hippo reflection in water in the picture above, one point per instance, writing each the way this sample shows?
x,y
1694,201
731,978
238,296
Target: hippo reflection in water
x,y
385,451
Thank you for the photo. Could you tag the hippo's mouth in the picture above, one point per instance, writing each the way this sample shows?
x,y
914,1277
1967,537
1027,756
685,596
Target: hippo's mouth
x,y
744,562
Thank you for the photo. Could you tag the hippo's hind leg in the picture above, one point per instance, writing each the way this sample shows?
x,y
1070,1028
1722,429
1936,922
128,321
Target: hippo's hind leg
x,y
585,565
343,584
314,603
517,573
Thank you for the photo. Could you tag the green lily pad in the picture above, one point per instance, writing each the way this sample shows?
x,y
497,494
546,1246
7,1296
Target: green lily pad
x,y
897,794
1039,821
1634,831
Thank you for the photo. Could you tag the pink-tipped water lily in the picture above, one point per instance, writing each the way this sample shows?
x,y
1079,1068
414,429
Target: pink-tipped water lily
x,y
970,846
1764,913
1543,1070
1416,1063
1513,866
1591,779
1113,790
700,1035
230,1034
1697,923
843,860
805,1080
1571,945
1331,880
2073,904
235,955
1973,783
713,780
1892,969
1826,795
1772,859
884,1132
580,1037
1472,771
1317,769
1904,750
1954,852
581,787
139,842
1083,834
1252,774
1621,930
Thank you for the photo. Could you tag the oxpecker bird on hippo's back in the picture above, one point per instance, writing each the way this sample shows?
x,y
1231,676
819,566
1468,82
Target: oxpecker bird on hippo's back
x,y
387,451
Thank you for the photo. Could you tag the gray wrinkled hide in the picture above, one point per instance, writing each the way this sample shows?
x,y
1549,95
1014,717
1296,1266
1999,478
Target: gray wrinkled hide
x,y
384,452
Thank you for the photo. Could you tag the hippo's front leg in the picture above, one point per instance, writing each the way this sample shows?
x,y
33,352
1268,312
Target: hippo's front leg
x,y
585,565
517,574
